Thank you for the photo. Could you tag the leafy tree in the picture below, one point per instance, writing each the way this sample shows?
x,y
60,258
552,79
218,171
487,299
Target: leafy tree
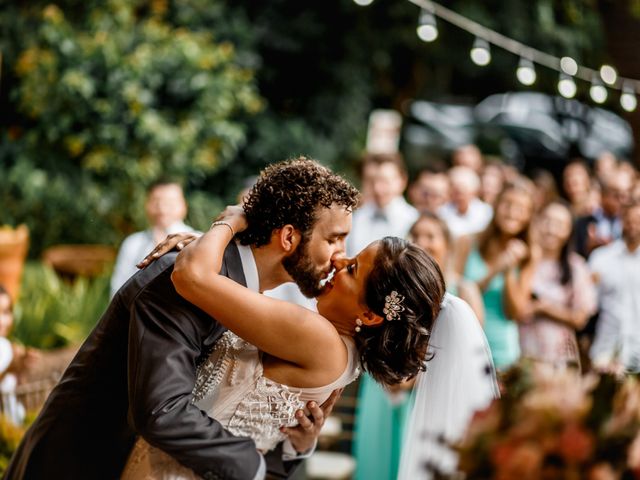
x,y
110,104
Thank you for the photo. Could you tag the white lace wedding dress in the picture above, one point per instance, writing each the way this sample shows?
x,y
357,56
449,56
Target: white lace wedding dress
x,y
231,387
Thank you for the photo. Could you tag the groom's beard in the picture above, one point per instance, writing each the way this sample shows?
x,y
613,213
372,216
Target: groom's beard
x,y
303,271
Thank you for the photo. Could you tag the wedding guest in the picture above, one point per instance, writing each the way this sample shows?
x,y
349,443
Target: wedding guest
x,y
166,209
616,268
431,234
429,191
385,212
491,183
604,224
604,165
546,188
465,213
576,183
468,156
492,260
382,413
14,360
555,295
377,444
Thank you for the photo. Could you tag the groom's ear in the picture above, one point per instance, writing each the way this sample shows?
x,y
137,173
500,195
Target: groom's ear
x,y
289,238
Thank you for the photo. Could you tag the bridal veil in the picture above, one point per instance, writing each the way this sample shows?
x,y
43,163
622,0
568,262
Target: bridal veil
x,y
459,380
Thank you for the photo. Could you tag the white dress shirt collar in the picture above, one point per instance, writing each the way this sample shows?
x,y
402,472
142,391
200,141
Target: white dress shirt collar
x,y
249,267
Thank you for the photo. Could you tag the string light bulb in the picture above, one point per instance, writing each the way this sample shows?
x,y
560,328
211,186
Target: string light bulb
x,y
480,53
526,72
597,91
608,74
569,66
566,86
427,28
628,98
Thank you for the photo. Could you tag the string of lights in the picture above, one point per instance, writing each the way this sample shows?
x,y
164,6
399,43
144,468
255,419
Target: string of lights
x,y
602,80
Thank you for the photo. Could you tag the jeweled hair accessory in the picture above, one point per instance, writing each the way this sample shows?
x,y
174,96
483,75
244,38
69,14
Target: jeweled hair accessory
x,y
393,306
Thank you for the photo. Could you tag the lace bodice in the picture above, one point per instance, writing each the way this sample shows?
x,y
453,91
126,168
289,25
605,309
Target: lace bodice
x,y
231,387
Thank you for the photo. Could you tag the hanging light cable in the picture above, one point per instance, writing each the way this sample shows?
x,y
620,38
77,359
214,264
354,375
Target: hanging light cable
x,y
566,66
427,28
480,53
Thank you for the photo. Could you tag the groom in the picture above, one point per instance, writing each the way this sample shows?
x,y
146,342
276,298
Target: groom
x,y
135,373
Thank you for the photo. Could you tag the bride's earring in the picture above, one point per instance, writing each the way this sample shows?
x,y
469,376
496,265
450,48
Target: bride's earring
x,y
358,325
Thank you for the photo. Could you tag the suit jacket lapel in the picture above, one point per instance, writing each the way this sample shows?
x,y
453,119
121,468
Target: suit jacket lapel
x,y
231,268
232,265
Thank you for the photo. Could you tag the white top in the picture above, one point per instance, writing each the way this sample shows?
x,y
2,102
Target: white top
x,y
618,328
475,220
372,223
12,409
133,249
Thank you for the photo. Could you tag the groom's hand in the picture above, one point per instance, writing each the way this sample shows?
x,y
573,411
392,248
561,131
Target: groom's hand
x,y
304,436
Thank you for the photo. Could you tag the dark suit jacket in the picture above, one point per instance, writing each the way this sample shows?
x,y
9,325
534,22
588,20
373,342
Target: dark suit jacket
x,y
134,376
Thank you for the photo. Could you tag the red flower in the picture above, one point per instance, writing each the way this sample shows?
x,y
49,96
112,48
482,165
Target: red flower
x,y
575,443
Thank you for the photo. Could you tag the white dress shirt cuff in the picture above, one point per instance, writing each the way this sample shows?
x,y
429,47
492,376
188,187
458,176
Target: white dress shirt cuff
x,y
289,453
262,470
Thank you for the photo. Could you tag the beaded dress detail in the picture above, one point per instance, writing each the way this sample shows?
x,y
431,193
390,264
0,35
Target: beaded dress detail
x,y
231,388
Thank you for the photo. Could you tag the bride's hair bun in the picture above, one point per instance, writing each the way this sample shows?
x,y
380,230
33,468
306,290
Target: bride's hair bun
x,y
396,350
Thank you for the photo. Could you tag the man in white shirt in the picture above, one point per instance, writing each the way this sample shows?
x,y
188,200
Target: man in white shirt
x,y
429,191
385,211
616,268
465,214
166,209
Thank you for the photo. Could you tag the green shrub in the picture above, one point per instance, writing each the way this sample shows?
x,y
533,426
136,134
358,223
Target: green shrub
x,y
52,313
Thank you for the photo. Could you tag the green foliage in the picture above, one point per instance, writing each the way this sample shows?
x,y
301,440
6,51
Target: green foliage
x,y
52,313
10,436
108,105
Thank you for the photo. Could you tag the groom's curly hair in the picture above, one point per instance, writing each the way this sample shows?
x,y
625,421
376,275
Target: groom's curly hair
x,y
293,192
396,350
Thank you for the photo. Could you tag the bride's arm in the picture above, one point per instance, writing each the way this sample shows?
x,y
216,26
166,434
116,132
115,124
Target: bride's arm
x,y
282,329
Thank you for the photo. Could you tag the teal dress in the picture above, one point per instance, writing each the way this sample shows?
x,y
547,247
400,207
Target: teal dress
x,y
379,430
501,332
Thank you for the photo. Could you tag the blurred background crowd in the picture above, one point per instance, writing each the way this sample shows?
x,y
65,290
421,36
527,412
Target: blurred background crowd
x,y
124,121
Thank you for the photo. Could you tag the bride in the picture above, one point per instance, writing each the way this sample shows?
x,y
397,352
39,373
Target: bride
x,y
376,313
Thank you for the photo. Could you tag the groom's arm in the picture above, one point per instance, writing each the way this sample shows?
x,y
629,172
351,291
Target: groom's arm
x,y
164,346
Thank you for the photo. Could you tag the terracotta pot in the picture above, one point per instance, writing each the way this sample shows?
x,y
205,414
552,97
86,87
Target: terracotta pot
x,y
71,261
14,244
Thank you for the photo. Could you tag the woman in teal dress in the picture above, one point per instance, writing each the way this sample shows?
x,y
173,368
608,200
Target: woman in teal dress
x,y
493,262
381,414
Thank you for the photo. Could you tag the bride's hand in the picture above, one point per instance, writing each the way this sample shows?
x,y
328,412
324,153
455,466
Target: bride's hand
x,y
234,215
175,240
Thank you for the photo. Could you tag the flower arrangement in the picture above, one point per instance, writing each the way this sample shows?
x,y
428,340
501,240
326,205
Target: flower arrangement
x,y
552,424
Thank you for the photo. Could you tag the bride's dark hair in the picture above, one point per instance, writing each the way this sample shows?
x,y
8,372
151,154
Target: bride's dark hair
x,y
397,349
